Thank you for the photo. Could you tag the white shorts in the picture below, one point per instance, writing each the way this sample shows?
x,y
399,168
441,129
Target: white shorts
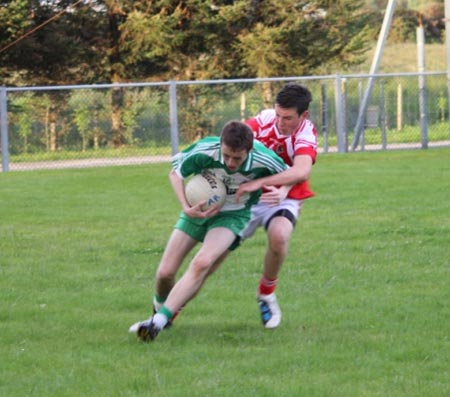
x,y
261,214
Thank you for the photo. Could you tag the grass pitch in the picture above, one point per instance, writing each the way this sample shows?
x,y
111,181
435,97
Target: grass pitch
x,y
364,292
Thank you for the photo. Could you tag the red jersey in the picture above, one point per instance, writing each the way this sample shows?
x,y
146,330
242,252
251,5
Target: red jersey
x,y
302,142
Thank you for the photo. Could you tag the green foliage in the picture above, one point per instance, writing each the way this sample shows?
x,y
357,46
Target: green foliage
x,y
13,18
90,109
404,26
116,41
24,106
196,39
77,122
406,20
364,290
65,49
433,18
289,39
185,40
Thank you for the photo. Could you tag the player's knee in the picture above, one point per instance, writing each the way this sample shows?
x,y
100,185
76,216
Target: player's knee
x,y
278,247
279,239
165,274
202,264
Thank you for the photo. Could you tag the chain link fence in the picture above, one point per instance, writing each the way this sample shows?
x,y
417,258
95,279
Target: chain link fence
x,y
101,125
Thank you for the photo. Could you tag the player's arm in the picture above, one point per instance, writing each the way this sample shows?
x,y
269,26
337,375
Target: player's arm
x,y
275,195
299,172
195,211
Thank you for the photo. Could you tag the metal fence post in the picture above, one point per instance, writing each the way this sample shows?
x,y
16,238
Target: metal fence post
x,y
383,116
173,116
324,117
340,131
363,129
344,109
422,87
447,46
4,129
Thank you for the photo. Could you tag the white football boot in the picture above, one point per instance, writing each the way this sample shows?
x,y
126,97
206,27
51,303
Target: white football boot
x,y
269,309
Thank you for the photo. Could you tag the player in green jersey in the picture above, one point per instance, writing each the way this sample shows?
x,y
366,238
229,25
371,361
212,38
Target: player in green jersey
x,y
236,159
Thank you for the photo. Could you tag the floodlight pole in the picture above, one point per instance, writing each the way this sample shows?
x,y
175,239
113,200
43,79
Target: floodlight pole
x,y
374,69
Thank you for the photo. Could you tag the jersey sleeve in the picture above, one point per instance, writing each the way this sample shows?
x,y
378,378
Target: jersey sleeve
x,y
306,141
262,120
253,124
269,159
191,160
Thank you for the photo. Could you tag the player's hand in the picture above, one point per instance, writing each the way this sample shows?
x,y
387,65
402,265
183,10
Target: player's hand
x,y
248,187
196,210
273,195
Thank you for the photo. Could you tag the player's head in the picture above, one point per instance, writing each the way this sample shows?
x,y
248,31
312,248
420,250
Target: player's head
x,y
236,141
291,106
294,95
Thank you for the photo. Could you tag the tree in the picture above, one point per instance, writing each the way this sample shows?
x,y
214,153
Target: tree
x,y
14,19
62,50
196,39
122,40
204,39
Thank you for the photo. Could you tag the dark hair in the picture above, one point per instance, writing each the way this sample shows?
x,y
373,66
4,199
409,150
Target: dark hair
x,y
237,136
294,95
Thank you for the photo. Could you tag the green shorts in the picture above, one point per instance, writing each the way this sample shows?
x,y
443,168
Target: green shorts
x,y
236,221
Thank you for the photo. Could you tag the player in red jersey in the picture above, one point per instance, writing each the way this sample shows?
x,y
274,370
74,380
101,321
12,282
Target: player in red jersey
x,y
286,130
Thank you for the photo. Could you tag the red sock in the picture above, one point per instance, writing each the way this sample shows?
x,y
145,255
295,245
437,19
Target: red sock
x,y
267,285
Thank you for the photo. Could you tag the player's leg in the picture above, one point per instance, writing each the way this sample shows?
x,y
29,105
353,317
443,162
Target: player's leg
x,y
278,235
279,232
178,246
218,262
216,243
279,223
215,246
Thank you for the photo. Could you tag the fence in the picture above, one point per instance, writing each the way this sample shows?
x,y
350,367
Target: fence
x,y
115,124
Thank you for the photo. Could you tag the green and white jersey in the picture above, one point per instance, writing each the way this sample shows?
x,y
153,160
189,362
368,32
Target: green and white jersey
x,y
206,155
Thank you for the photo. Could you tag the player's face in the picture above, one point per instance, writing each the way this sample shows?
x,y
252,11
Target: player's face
x,y
288,119
233,158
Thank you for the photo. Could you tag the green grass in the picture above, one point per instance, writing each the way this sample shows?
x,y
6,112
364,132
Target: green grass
x,y
130,151
365,290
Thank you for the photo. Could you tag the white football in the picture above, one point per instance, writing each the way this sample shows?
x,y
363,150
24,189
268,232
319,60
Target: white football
x,y
205,187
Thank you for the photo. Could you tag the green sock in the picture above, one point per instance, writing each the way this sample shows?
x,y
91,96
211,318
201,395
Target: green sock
x,y
159,299
166,312
161,318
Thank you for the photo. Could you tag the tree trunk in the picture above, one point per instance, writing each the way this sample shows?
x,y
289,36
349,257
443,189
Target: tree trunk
x,y
52,136
267,94
52,129
117,130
